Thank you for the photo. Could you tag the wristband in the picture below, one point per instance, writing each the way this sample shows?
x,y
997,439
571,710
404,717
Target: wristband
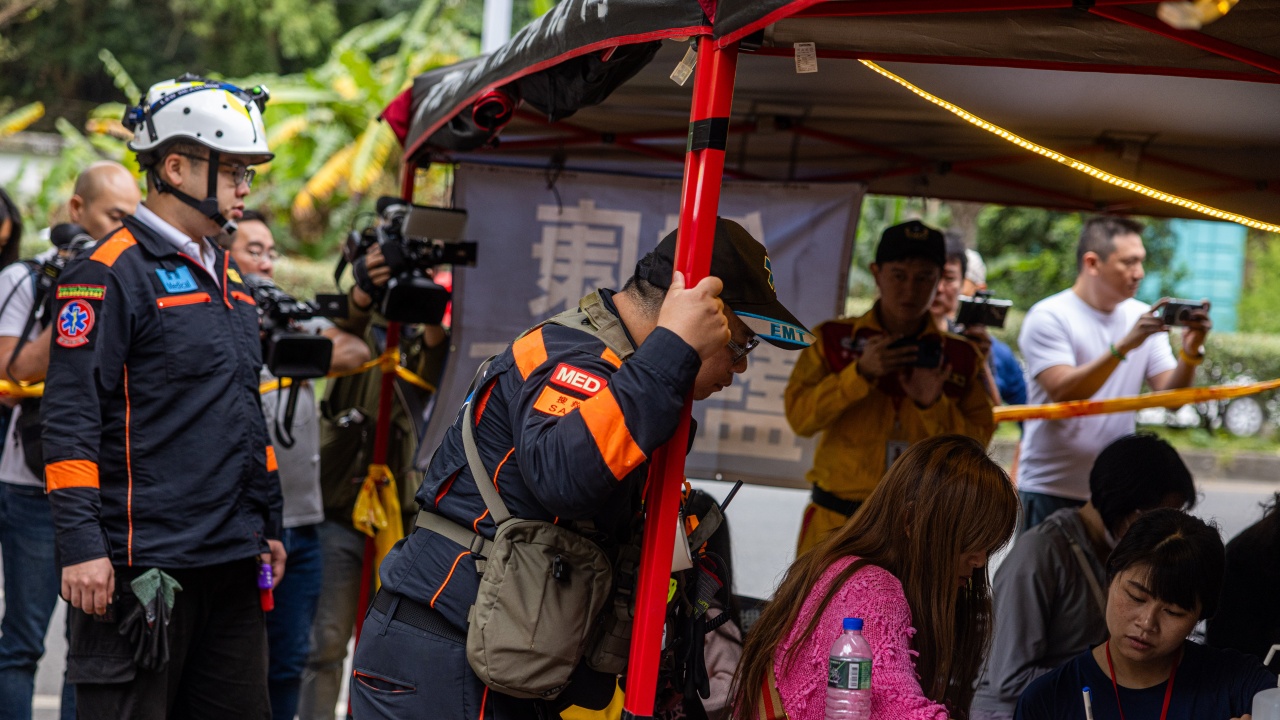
x,y
1117,354
1192,360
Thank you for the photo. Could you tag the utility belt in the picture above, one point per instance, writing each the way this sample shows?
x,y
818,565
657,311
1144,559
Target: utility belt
x,y
419,615
829,501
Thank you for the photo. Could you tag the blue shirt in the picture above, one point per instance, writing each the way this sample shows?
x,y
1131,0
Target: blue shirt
x,y
1211,684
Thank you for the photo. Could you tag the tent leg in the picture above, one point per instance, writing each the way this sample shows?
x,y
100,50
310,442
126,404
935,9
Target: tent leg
x,y
699,204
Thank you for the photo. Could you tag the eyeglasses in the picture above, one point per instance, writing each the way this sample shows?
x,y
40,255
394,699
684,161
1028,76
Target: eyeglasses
x,y
239,173
258,253
742,351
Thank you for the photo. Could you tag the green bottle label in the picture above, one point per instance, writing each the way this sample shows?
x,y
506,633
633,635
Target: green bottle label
x,y
849,674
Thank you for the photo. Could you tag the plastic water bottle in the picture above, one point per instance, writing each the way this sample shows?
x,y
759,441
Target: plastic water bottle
x,y
1266,704
849,675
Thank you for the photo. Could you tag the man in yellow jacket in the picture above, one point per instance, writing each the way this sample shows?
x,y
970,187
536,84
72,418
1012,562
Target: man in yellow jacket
x,y
874,384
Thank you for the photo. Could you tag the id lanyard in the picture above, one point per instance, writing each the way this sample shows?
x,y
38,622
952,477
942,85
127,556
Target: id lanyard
x,y
1168,693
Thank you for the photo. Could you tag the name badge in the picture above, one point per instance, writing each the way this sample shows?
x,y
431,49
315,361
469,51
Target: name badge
x,y
179,280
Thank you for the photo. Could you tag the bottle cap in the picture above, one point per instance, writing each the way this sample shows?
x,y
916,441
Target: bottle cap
x,y
853,624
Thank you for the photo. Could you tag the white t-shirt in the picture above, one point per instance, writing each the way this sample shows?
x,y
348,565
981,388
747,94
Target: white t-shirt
x,y
1062,329
17,288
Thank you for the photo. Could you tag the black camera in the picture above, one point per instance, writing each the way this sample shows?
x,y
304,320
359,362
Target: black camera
x,y
928,350
1178,312
414,239
982,309
286,351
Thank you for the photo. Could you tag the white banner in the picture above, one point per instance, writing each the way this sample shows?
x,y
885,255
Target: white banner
x,y
542,246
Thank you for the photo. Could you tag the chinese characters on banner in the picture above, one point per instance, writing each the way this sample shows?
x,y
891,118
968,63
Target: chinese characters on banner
x,y
541,249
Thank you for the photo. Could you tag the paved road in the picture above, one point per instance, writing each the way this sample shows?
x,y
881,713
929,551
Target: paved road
x,y
765,523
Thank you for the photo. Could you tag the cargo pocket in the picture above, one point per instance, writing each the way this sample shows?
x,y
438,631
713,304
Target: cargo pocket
x,y
97,653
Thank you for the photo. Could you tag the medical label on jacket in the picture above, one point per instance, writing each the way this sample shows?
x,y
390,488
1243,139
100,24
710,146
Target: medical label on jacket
x,y
580,380
178,280
75,320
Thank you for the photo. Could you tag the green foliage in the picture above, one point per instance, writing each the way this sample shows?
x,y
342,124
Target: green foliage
x,y
1259,308
1031,253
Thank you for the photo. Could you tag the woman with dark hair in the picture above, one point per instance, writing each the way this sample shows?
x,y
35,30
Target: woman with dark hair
x,y
1248,620
1048,593
904,562
10,230
1163,577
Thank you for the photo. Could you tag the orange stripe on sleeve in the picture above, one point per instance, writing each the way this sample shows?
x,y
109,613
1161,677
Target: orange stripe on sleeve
x,y
530,352
611,357
108,252
445,584
271,459
608,428
66,474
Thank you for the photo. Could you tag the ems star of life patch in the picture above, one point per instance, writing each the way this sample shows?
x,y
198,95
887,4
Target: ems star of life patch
x,y
576,379
86,292
75,320
555,402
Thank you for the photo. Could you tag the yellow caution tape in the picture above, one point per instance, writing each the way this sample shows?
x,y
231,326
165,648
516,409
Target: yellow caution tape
x,y
12,389
387,361
1166,398
377,513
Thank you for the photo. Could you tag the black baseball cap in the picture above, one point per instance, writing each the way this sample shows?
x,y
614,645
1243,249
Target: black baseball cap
x,y
742,264
910,240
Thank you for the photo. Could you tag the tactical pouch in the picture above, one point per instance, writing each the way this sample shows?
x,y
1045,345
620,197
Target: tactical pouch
x,y
542,588
611,642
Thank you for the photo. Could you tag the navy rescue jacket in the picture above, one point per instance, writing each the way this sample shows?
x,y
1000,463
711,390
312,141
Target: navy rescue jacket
x,y
156,453
566,430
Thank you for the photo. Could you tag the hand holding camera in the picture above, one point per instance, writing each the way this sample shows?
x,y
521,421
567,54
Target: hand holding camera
x,y
1188,314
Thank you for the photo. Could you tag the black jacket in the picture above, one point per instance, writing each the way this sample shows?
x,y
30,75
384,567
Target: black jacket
x,y
155,448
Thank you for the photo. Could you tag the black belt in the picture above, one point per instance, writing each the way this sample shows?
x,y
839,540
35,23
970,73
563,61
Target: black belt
x,y
419,615
828,501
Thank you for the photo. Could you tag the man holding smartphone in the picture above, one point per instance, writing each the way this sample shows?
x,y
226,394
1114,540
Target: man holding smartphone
x,y
1095,341
874,384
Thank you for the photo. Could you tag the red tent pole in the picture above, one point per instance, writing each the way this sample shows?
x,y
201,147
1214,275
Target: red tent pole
x,y
699,203
382,430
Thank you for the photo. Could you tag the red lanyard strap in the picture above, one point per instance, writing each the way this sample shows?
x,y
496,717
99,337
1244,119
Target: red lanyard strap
x,y
1168,692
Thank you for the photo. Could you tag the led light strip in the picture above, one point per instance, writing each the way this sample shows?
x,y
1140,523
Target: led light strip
x,y
1074,164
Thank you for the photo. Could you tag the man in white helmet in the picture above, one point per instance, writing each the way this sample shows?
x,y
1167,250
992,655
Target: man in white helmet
x,y
158,466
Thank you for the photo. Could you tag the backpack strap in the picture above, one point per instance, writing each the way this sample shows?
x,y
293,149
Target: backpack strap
x,y
592,317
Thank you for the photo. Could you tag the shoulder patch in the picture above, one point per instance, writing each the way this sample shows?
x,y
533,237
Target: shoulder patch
x,y
554,402
110,250
86,292
577,379
75,320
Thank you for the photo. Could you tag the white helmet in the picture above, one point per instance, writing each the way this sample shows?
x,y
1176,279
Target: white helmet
x,y
217,115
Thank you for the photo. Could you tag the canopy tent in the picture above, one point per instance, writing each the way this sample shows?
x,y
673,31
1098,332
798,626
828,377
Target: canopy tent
x,y
1186,112
1189,113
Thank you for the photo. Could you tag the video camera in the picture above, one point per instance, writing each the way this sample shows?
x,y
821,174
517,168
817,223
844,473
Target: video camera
x,y
982,309
70,239
287,352
413,239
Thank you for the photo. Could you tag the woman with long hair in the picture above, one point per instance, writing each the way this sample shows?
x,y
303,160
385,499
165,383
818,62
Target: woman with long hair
x,y
1163,577
904,562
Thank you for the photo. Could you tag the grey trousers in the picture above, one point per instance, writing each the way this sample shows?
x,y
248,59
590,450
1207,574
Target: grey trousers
x,y
342,550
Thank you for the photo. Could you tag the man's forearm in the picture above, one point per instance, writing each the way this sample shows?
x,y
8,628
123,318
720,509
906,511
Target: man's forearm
x,y
1078,383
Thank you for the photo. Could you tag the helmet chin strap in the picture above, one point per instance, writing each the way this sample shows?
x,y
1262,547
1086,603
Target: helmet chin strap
x,y
209,206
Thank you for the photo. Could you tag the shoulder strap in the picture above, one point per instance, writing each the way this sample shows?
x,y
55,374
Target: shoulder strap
x,y
1095,588
592,317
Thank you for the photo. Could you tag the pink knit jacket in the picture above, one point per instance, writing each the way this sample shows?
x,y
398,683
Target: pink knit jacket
x,y
874,595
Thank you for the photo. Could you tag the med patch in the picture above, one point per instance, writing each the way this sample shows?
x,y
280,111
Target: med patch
x,y
83,292
177,280
577,379
75,320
